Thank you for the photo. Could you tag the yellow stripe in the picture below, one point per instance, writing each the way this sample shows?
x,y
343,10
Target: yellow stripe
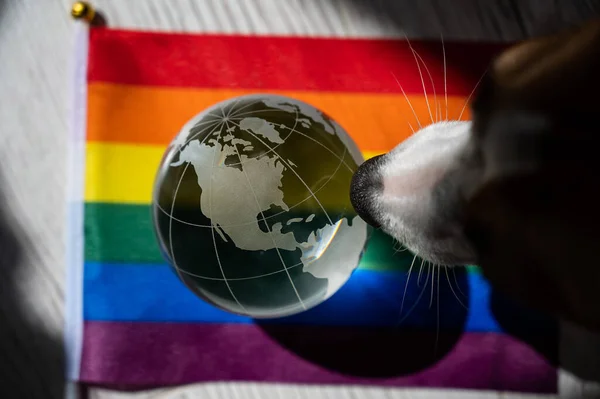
x,y
371,154
121,173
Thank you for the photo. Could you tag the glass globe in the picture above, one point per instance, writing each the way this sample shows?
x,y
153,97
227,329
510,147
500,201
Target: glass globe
x,y
251,206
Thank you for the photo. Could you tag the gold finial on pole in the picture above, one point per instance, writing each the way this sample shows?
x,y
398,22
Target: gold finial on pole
x,y
83,10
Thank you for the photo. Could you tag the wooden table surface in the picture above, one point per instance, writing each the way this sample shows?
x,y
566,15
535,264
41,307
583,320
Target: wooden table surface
x,y
35,47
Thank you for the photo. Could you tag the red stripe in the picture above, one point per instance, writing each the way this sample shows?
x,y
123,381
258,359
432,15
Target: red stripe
x,y
283,63
137,355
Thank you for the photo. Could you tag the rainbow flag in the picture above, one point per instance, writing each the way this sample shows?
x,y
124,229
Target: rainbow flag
x,y
133,324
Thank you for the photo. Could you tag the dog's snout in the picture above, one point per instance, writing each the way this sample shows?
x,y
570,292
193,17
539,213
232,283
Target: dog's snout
x,y
366,184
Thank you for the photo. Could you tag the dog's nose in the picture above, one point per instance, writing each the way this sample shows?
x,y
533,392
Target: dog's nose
x,y
366,183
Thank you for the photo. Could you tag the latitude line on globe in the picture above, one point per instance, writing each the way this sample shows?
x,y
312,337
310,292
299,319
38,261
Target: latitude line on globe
x,y
270,232
212,173
251,158
210,124
293,171
242,278
177,268
222,116
341,159
327,148
234,116
247,105
237,101
293,130
252,222
207,121
242,114
231,115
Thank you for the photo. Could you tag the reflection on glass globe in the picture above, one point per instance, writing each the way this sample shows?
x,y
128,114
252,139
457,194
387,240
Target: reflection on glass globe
x,y
251,206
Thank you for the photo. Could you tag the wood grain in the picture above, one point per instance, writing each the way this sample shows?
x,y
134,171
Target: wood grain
x,y
35,46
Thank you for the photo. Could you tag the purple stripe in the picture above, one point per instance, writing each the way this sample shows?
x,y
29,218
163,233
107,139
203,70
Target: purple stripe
x,y
136,355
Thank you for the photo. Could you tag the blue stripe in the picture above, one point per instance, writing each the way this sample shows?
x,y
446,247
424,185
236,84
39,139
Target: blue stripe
x,y
153,293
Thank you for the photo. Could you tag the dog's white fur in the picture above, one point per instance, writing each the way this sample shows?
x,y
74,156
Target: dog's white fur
x,y
415,194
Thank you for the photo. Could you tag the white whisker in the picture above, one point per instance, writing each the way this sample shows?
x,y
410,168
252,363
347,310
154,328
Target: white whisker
x,y
398,246
416,301
445,82
397,251
419,276
424,89
406,285
432,278
409,103
437,330
452,289
456,281
433,87
470,95
422,80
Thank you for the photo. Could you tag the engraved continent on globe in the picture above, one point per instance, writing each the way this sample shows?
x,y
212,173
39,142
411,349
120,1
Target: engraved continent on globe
x,y
251,206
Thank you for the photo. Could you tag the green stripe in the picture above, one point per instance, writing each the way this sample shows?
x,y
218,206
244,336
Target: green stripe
x,y
120,233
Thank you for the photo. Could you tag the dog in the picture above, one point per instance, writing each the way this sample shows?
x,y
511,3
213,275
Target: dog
x,y
516,190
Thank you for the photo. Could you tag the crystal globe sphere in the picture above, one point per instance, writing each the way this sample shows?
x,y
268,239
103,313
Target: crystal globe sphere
x,y
251,206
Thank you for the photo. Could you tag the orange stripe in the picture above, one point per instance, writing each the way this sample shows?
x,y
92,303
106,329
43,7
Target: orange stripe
x,y
153,115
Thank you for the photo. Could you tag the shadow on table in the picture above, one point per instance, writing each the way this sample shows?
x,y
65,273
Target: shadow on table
x,y
32,361
505,20
402,328
397,333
